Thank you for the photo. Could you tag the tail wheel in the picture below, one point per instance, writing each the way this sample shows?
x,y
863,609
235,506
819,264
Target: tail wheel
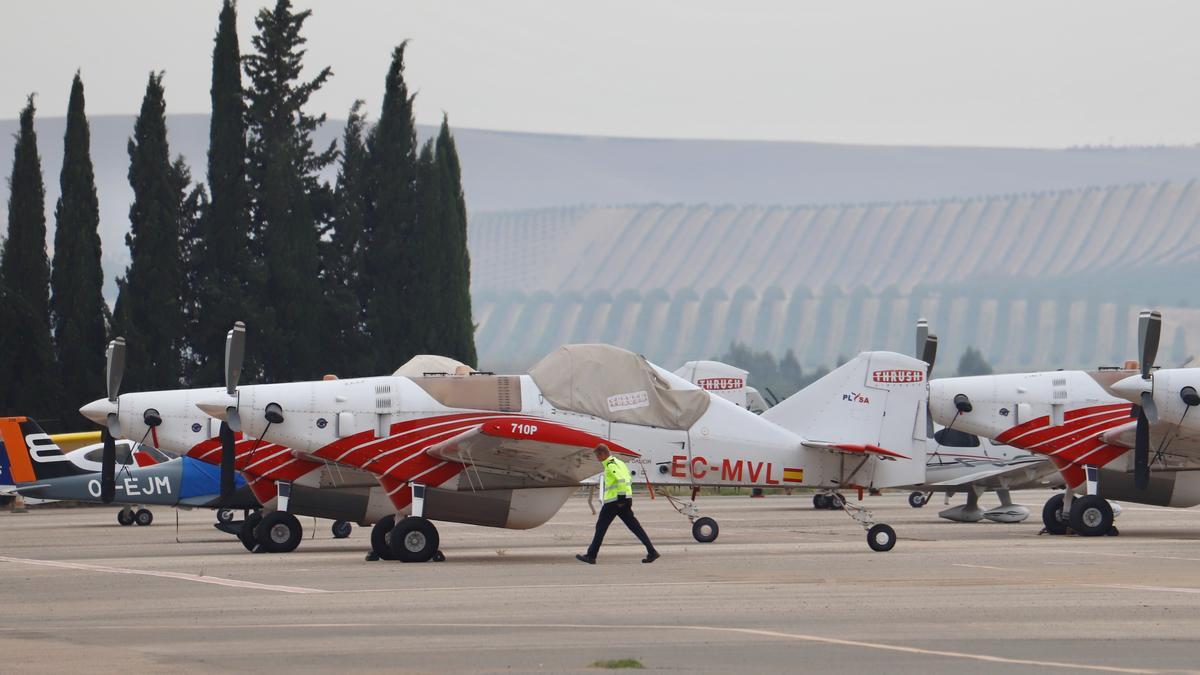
x,y
246,536
881,538
1052,515
917,500
705,530
143,517
381,537
342,529
414,539
125,517
279,532
225,515
1091,516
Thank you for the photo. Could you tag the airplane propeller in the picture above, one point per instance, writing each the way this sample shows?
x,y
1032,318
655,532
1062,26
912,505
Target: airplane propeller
x,y
114,372
235,352
926,351
1149,330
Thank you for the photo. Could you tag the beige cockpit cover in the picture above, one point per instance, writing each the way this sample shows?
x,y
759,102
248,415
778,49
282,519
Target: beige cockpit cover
x,y
617,385
422,364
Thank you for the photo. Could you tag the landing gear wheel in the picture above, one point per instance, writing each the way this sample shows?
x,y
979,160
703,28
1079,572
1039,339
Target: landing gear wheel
x,y
342,529
279,532
143,517
125,517
881,538
246,536
836,502
1052,515
225,515
381,538
820,501
1091,516
917,500
705,530
414,539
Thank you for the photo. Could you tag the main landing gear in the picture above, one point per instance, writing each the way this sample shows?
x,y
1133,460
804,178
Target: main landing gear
x,y
276,532
412,539
829,500
918,499
1088,516
128,516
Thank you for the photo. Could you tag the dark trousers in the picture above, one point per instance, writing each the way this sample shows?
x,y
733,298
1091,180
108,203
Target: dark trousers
x,y
621,508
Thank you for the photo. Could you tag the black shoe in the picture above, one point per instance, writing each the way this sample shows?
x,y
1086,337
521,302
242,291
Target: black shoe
x,y
651,557
586,558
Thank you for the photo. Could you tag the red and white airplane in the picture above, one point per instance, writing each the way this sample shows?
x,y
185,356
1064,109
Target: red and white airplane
x,y
507,451
1083,422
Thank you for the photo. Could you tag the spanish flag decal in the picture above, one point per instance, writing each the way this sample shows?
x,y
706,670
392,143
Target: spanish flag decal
x,y
793,475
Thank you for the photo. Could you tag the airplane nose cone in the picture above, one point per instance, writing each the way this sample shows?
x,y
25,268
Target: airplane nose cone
x,y
1131,388
214,408
98,410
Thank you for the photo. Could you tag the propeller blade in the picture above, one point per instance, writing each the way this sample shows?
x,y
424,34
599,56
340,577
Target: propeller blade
x,y
115,367
1149,329
228,457
235,352
1141,451
233,419
112,423
1149,408
929,353
108,467
922,335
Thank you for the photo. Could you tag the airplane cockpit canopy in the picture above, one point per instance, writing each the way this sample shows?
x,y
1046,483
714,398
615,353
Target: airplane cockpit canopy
x,y
617,385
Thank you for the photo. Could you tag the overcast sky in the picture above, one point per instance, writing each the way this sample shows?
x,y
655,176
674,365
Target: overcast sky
x,y
954,72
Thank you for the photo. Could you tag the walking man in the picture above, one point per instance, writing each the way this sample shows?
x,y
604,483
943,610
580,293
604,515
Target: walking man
x,y
618,503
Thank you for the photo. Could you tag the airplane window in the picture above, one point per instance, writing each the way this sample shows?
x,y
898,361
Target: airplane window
x,y
953,438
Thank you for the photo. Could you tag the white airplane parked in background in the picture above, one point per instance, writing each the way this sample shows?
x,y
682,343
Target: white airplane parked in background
x,y
1103,447
507,451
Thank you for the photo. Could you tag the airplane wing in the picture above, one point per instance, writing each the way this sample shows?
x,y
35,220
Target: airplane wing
x,y
1175,448
856,449
1012,475
547,452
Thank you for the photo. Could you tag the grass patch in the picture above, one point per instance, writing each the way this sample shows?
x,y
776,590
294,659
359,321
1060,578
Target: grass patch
x,y
618,663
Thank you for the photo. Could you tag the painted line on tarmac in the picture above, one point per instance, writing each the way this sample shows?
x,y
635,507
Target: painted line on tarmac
x,y
1133,587
987,567
1127,555
987,658
219,581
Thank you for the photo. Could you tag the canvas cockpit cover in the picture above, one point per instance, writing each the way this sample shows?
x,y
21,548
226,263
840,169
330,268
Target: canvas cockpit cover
x,y
428,364
617,385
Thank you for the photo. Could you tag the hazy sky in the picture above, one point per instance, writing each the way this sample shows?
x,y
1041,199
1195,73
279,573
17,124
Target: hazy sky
x,y
954,72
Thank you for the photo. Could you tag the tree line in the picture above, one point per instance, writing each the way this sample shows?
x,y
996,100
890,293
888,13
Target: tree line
x,y
352,277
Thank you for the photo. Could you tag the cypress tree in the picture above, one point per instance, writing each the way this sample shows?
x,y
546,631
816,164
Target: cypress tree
x,y
458,335
427,240
76,279
148,311
219,264
26,350
343,338
288,201
390,262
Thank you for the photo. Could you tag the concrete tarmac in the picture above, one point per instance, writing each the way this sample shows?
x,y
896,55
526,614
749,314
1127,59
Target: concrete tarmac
x,y
784,588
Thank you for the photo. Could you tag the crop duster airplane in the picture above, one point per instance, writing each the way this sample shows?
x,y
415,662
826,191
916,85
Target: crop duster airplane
x,y
508,450
1104,447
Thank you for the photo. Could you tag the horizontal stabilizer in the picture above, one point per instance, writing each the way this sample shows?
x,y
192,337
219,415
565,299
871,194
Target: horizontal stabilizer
x,y
856,449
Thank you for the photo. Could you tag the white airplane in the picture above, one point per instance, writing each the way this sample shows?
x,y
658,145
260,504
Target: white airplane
x,y
962,462
729,382
1100,444
507,451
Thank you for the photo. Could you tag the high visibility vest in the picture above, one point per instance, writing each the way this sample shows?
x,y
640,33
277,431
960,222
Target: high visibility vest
x,y
617,480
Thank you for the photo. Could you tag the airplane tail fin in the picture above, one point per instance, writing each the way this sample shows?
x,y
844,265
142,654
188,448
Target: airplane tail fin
x,y
875,400
32,454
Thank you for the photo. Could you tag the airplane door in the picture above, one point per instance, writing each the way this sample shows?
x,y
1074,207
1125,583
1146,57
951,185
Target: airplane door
x,y
665,454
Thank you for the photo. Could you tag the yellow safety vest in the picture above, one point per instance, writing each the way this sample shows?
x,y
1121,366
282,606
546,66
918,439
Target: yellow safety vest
x,y
617,480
